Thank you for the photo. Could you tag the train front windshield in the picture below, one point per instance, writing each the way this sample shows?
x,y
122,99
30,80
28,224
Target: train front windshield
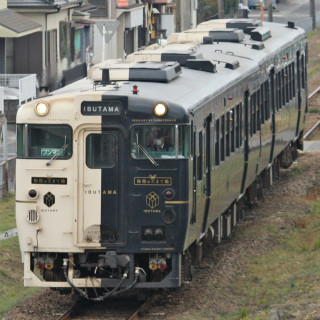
x,y
44,141
160,142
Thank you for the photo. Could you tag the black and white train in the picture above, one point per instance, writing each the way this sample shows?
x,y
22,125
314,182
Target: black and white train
x,y
122,176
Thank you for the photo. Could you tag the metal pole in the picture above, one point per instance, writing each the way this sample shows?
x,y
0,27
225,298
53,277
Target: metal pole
x,y
270,11
4,137
221,9
313,14
103,43
109,16
5,153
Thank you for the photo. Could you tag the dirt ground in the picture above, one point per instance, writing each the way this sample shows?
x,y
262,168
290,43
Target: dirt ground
x,y
211,294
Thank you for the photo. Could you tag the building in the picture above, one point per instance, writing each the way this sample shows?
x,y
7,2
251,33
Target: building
x,y
57,51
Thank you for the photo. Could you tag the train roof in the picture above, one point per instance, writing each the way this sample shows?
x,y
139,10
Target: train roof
x,y
195,65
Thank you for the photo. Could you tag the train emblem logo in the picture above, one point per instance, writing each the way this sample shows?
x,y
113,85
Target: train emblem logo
x,y
49,199
152,200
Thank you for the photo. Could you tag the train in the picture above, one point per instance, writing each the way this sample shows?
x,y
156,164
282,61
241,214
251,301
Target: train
x,y
125,177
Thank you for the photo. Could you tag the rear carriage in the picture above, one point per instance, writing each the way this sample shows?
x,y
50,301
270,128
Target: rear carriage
x,y
121,176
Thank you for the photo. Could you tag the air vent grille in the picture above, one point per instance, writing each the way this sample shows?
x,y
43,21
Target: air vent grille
x,y
33,216
169,216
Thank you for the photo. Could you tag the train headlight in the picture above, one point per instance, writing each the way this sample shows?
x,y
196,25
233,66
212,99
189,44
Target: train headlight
x,y
41,108
160,109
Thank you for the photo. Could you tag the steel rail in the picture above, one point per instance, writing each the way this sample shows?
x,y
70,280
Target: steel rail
x,y
311,95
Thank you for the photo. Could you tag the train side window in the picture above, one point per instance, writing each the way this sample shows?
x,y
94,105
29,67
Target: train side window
x,y
232,123
238,126
278,92
263,116
251,117
228,134
222,138
287,84
44,141
266,100
293,79
241,131
217,143
254,115
283,101
302,72
199,157
101,151
258,111
290,82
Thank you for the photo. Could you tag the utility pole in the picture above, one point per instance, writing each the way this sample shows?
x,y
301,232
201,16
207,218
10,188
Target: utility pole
x,y
270,11
313,13
221,9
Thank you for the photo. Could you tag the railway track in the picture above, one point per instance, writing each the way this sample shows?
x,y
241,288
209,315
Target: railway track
x,y
112,309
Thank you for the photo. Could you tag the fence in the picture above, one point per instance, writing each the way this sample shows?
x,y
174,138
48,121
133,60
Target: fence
x,y
7,177
23,87
1,100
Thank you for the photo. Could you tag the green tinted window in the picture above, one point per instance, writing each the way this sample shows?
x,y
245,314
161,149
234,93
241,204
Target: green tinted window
x,y
44,141
101,151
160,142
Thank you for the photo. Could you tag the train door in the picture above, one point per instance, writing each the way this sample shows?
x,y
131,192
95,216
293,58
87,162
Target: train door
x,y
101,217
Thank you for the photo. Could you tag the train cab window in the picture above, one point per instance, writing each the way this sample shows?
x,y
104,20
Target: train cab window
x,y
160,142
101,151
44,141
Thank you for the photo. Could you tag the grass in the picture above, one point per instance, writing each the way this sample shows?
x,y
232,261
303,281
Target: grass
x,y
12,290
287,276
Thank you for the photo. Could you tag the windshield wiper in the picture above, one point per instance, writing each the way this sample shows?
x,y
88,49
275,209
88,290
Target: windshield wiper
x,y
64,147
146,153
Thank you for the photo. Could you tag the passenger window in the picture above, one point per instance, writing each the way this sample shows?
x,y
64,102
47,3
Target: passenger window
x,y
238,134
228,135
101,151
303,72
217,143
222,137
293,79
200,157
258,110
241,125
232,123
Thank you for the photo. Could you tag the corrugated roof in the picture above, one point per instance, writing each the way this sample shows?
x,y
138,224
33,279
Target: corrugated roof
x,y
42,4
17,23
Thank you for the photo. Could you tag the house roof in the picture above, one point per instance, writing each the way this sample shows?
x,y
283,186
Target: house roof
x,y
42,4
14,25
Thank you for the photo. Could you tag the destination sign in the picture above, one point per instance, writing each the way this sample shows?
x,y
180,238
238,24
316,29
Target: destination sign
x,y
40,180
153,181
101,108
